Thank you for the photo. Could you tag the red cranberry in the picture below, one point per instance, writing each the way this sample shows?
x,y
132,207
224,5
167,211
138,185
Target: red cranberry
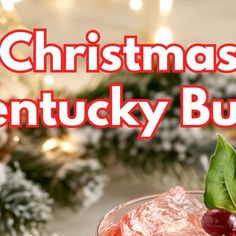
x,y
218,222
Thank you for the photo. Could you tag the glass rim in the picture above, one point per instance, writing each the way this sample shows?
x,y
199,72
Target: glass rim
x,y
194,192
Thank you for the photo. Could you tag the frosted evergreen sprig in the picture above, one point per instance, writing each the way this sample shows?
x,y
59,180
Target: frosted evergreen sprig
x,y
70,181
24,207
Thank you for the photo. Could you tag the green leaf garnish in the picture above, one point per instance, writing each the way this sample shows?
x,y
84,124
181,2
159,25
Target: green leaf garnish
x,y
220,184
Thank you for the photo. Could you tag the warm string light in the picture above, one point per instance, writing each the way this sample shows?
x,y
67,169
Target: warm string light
x,y
62,5
3,20
16,139
164,34
50,144
166,6
67,147
49,79
9,5
60,146
136,5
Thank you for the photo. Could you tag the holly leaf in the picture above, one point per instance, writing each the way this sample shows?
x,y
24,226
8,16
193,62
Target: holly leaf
x,y
220,184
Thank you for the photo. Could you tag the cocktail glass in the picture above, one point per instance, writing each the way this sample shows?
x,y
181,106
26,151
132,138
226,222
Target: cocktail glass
x,y
115,215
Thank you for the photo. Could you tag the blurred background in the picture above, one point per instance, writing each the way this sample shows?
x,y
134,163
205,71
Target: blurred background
x,y
61,182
